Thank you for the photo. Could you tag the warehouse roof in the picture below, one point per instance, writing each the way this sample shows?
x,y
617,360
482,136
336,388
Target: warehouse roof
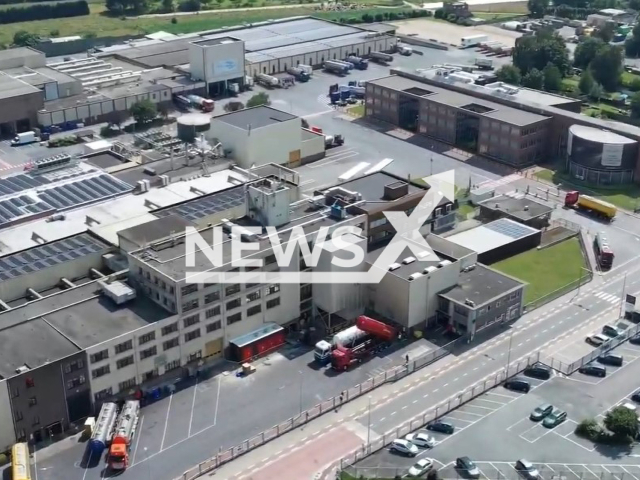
x,y
459,100
20,52
492,235
256,117
481,285
521,208
13,87
159,229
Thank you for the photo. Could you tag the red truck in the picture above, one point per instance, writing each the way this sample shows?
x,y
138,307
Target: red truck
x,y
379,335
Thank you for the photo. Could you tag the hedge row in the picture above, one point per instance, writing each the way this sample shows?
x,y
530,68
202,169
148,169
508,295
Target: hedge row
x,y
44,11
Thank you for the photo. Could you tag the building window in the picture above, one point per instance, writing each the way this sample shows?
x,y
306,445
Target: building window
x,y
194,356
172,365
101,372
75,382
269,260
190,305
146,338
212,312
33,401
149,352
150,375
127,384
273,303
192,320
169,344
253,296
271,289
99,356
211,297
170,329
212,327
107,392
513,296
187,289
124,362
306,292
232,289
498,303
18,416
235,318
254,310
72,366
124,346
234,304
192,335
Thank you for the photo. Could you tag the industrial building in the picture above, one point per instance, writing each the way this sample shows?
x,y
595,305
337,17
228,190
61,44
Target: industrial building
x,y
513,125
523,209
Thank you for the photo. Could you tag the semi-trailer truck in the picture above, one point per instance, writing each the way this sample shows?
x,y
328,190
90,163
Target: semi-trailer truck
x,y
381,57
299,74
405,50
358,62
590,205
334,67
204,104
350,336
103,430
125,431
267,80
349,65
379,335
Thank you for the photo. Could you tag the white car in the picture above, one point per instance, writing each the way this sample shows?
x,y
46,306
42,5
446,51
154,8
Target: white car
x,y
421,467
627,405
404,447
421,439
597,340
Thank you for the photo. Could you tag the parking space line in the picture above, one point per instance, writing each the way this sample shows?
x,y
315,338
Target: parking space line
x,y
517,423
135,449
470,413
575,443
627,471
479,406
166,422
490,401
193,405
500,395
470,422
574,473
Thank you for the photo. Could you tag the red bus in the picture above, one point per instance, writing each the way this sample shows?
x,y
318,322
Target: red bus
x,y
604,253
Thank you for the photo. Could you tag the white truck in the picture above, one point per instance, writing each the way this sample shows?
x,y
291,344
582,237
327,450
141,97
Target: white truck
x,y
405,50
24,138
484,63
473,40
306,68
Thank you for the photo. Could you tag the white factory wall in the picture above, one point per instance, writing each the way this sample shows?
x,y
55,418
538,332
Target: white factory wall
x,y
216,63
270,144
312,147
390,297
423,292
7,431
15,288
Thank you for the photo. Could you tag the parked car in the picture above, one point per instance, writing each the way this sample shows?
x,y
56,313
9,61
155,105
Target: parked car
x,y
597,340
404,447
421,439
628,406
539,371
594,370
635,340
466,466
611,331
636,396
555,418
526,469
441,426
611,359
540,412
421,467
518,385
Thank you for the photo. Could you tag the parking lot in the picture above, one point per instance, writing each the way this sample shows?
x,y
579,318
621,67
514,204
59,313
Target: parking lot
x,y
495,430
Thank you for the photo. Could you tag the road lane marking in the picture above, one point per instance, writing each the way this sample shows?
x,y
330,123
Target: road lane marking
x,y
193,405
215,415
166,422
135,449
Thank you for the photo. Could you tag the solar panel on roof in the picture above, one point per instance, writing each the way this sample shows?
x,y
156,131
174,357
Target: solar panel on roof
x,y
39,265
73,254
14,272
3,276
27,269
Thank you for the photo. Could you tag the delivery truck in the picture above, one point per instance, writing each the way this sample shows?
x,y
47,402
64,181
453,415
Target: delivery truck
x,y
126,426
590,205
24,138
473,40
204,104
378,336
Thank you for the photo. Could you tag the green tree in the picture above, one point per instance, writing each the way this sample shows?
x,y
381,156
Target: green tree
x,y
509,74
586,82
534,79
605,33
635,105
537,8
167,6
233,106
22,38
596,92
622,422
439,13
606,67
143,111
539,50
552,78
586,50
258,99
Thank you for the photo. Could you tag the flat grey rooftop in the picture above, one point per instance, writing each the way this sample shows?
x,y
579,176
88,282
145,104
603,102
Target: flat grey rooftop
x,y
20,52
522,208
192,210
256,117
492,235
156,230
481,285
105,159
12,87
454,99
32,343
372,188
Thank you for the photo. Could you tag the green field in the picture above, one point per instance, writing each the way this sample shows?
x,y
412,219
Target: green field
x,y
494,15
356,111
102,25
546,270
625,196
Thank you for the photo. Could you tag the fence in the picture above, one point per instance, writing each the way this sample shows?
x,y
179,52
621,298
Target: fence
x,y
538,302
346,464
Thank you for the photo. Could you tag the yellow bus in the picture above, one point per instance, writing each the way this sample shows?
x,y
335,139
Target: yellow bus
x,y
20,469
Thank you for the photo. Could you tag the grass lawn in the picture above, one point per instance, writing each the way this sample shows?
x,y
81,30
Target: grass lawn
x,y
465,209
545,270
356,110
627,78
601,108
102,25
624,196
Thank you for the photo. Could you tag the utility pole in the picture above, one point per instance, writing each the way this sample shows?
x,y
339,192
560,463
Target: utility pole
x,y
509,355
624,287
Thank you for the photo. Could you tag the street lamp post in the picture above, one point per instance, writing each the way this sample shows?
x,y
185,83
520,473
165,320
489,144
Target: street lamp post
x,y
301,379
624,287
369,422
509,355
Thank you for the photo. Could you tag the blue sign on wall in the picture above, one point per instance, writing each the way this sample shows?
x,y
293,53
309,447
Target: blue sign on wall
x,y
225,66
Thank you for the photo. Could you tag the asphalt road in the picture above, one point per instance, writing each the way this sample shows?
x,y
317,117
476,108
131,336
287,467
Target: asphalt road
x,y
503,416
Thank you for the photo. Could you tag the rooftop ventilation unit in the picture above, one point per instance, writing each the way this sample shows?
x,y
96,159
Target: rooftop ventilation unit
x,y
117,291
409,260
414,276
444,263
470,303
394,266
22,369
429,270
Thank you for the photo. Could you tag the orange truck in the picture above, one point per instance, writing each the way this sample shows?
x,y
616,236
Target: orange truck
x,y
126,426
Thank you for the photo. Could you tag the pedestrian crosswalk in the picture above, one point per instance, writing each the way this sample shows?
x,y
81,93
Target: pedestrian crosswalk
x,y
488,184
608,297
